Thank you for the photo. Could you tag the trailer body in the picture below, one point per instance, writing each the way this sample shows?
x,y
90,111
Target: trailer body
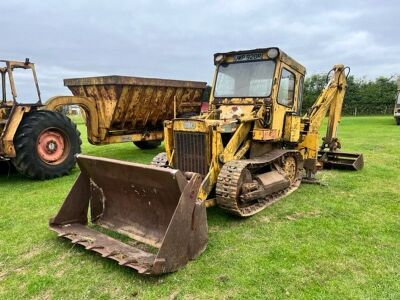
x,y
130,109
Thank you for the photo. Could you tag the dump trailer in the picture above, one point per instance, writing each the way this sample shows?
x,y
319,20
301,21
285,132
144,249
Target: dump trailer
x,y
130,109
41,144
396,112
251,148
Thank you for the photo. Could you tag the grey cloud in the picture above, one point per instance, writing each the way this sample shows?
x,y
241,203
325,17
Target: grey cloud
x,y
176,38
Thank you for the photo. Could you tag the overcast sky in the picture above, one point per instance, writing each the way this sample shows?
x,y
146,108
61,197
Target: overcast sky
x,y
177,38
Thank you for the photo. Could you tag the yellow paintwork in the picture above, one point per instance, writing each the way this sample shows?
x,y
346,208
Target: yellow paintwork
x,y
261,134
11,111
261,120
329,101
190,125
212,176
234,143
309,146
95,127
7,136
150,136
168,140
292,128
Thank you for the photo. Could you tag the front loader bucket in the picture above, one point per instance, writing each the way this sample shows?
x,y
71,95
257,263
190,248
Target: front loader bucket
x,y
341,160
151,208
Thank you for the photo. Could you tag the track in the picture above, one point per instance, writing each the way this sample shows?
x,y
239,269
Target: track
x,y
230,181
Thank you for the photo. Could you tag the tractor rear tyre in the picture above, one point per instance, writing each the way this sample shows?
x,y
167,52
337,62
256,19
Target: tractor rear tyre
x,y
46,143
147,144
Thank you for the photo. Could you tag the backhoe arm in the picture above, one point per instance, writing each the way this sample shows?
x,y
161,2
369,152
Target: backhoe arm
x,y
330,100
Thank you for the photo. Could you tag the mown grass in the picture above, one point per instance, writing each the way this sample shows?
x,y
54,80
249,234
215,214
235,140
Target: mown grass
x,y
341,240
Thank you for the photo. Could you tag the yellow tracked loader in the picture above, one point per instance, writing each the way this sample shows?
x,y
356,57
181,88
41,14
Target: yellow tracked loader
x,y
249,150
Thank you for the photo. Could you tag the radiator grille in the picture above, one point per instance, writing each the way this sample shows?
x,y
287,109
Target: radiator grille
x,y
190,152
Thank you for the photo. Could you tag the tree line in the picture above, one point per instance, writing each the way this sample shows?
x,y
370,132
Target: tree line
x,y
363,97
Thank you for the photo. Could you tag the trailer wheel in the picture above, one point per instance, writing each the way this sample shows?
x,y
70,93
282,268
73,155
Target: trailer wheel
x,y
46,143
147,144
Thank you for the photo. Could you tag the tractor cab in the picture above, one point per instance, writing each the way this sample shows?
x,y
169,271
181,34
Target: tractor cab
x,y
17,74
22,76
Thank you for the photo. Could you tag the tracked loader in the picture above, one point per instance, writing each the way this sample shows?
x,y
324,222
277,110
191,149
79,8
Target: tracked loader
x,y
249,150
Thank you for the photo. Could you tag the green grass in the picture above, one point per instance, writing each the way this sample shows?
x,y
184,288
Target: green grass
x,y
341,240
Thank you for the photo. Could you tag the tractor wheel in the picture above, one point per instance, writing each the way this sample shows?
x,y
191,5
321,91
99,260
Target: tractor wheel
x,y
46,143
147,144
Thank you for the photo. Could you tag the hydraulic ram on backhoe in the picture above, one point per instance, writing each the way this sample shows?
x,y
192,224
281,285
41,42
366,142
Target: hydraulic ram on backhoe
x,y
248,151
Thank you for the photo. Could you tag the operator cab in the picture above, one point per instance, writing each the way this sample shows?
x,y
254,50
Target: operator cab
x,y
260,76
19,76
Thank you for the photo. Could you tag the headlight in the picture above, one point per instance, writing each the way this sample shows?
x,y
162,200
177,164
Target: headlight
x,y
273,53
219,58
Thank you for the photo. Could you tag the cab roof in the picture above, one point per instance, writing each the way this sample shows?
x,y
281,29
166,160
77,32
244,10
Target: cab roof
x,y
282,56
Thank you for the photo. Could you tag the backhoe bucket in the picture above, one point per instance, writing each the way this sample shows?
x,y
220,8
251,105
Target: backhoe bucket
x,y
341,160
151,208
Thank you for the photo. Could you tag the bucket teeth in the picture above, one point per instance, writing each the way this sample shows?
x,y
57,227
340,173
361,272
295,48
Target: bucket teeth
x,y
91,247
79,240
111,253
128,261
64,234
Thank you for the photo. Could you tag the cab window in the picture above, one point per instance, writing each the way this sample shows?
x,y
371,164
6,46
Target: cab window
x,y
286,88
300,95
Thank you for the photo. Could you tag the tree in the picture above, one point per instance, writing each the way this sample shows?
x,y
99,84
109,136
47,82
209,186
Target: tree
x,y
364,96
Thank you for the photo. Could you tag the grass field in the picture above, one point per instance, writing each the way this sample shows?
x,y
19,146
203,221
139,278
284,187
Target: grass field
x,y
341,240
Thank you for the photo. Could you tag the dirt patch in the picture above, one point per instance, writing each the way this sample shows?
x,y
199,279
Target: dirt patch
x,y
60,272
222,278
300,215
265,219
19,270
3,275
174,295
34,251
47,295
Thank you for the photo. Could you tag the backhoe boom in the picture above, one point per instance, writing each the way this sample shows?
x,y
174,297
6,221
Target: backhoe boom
x,y
330,102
